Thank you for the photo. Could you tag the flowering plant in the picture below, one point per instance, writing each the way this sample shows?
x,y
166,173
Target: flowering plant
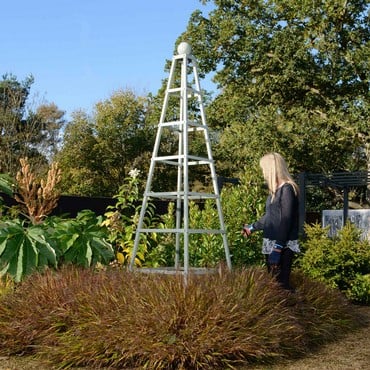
x,y
122,219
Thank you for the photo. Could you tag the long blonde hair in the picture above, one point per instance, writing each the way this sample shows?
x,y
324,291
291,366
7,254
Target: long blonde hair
x,y
275,171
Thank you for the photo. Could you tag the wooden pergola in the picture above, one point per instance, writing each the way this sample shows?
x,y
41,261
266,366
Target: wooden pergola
x,y
340,180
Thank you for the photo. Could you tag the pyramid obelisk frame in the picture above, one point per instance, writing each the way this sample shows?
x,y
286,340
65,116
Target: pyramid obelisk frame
x,y
183,160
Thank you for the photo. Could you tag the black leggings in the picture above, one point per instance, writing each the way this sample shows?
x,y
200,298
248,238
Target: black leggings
x,y
282,272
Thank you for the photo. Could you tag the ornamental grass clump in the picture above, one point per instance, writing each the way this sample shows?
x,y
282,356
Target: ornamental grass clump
x,y
118,319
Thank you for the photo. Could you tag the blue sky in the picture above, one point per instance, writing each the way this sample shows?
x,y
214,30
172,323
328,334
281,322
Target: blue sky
x,y
81,51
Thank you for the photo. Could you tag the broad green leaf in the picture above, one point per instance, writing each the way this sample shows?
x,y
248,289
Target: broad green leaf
x,y
14,243
6,184
24,250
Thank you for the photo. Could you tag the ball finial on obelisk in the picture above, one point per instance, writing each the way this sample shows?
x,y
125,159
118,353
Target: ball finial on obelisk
x,y
184,48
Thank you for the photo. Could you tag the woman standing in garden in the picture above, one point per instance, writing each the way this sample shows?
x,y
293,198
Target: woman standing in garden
x,y
280,221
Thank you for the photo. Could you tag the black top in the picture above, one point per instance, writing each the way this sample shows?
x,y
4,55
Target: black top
x,y
280,221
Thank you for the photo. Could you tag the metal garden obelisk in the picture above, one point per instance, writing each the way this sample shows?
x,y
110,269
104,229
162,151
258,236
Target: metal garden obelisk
x,y
184,90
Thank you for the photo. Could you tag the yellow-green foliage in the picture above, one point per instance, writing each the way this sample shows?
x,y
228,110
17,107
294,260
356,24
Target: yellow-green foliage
x,y
122,219
340,262
6,284
78,317
360,289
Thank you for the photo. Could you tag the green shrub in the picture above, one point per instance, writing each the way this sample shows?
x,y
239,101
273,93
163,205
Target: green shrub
x,y
205,249
114,318
164,253
360,289
241,204
338,261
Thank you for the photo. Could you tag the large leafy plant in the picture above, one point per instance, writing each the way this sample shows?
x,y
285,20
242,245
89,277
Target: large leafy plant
x,y
82,241
24,250
24,243
37,241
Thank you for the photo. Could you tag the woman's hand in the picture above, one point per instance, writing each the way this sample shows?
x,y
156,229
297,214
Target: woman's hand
x,y
247,230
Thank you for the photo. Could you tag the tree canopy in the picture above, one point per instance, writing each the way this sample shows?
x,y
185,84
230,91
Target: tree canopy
x,y
26,132
293,77
99,151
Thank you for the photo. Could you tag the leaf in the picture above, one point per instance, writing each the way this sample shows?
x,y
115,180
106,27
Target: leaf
x,y
24,250
89,253
6,184
120,258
